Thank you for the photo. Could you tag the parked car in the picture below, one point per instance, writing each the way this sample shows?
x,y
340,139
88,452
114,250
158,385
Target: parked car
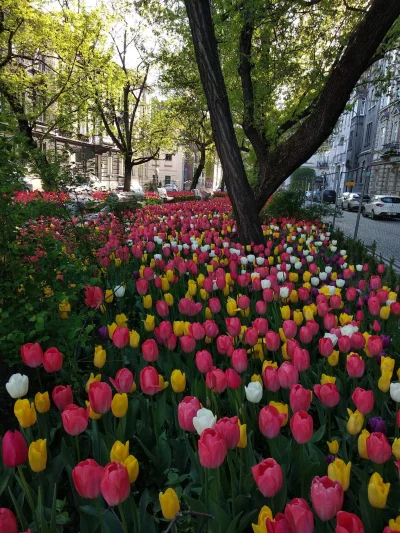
x,y
351,201
171,187
135,187
382,205
316,196
329,196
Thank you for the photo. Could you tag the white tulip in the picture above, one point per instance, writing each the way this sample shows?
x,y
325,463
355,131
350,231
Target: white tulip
x,y
323,276
331,336
310,258
281,276
334,243
251,258
395,392
260,261
204,419
314,282
244,260
254,392
284,292
298,265
333,249
348,330
119,291
158,256
359,268
328,270
265,284
17,385
340,283
343,252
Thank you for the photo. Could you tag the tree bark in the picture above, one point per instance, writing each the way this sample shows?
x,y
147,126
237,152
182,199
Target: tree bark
x,y
128,166
199,169
239,189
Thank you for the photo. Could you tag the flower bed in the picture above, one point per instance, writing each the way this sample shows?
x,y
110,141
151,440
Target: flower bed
x,y
187,378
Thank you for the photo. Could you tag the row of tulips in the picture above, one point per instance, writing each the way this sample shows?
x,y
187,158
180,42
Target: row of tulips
x,y
249,381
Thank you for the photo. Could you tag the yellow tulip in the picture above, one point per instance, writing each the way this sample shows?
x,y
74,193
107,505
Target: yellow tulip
x,y
178,326
387,365
117,261
134,339
282,335
92,414
37,455
149,323
334,276
394,524
344,319
384,312
25,413
164,284
109,296
231,307
293,277
119,404
362,444
377,491
274,364
192,287
169,503
243,435
64,308
132,465
121,320
200,280
161,383
119,452
282,408
338,470
333,447
307,276
147,301
169,299
91,379
261,526
396,448
298,317
100,356
178,381
285,312
355,422
208,313
284,352
186,326
384,381
42,402
308,312
111,328
204,294
170,275
257,377
333,359
327,379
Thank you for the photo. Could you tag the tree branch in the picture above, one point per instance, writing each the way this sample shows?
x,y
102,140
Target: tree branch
x,y
355,9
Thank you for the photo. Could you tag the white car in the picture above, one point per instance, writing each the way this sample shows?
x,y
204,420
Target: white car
x,y
171,187
382,205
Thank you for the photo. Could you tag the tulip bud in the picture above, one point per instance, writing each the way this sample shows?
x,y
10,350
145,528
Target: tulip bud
x,y
25,413
115,485
338,470
119,405
268,477
8,522
17,386
178,381
87,477
38,455
377,491
14,449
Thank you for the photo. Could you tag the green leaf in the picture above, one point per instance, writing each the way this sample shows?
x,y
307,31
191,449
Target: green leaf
x,y
317,436
53,520
21,517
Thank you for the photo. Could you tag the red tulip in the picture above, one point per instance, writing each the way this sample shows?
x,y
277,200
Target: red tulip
x,y
52,360
301,359
228,429
348,523
325,346
225,345
287,375
149,381
123,380
94,297
187,410
150,350
214,304
204,361
75,419
62,396
212,449
32,354
327,394
268,476
115,486
378,448
302,426
351,294
120,337
197,331
270,420
216,380
142,286
375,345
278,525
289,328
188,343
211,328
87,478
14,449
305,335
8,522
261,308
375,282
261,325
299,516
303,294
374,306
395,308
344,344
357,341
233,326
239,360
364,400
165,330
329,321
272,341
100,396
233,380
271,379
326,497
299,398
355,365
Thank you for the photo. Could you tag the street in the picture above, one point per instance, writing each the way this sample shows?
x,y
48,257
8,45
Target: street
x,y
386,234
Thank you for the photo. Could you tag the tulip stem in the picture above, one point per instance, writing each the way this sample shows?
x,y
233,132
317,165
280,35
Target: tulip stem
x,y
123,519
396,427
206,487
218,486
78,453
100,515
28,496
153,409
233,483
39,378
302,466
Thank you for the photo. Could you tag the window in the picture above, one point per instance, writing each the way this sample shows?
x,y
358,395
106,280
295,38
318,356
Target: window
x,y
350,141
383,133
395,131
167,180
362,106
372,99
367,141
109,165
168,157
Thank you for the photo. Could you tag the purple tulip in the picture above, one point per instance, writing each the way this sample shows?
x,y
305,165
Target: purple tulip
x,y
376,424
103,333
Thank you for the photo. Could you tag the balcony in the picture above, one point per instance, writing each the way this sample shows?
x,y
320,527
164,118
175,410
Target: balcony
x,y
389,150
323,165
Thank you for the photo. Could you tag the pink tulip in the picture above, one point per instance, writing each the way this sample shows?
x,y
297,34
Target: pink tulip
x,y
165,330
32,354
261,325
327,394
268,477
325,346
75,419
301,359
212,449
301,425
233,326
305,335
204,361
357,341
375,344
233,380
162,308
326,497
187,410
197,331
289,328
344,344
287,375
188,343
239,360
115,486
378,448
149,381
271,379
52,360
150,350
211,328
272,341
299,516
120,337
299,398
374,306
228,429
142,286
100,396
363,400
270,420
123,380
215,380
251,336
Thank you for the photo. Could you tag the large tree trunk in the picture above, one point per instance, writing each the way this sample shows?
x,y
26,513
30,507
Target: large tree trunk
x,y
128,166
199,169
239,189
